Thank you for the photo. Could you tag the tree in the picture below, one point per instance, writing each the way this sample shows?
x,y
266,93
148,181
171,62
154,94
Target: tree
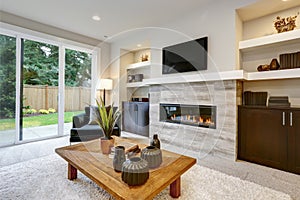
x,y
78,68
40,63
7,76
40,67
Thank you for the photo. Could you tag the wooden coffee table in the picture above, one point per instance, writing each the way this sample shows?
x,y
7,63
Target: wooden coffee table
x,y
88,159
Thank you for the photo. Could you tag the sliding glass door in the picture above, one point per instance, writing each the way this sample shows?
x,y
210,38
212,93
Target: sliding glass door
x,y
43,84
39,90
7,89
78,80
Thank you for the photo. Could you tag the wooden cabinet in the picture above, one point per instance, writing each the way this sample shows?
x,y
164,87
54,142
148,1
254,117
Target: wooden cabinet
x,y
270,136
294,141
135,118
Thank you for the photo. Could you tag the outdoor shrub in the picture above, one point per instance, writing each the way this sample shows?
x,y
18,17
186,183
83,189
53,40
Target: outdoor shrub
x,y
29,111
51,110
43,111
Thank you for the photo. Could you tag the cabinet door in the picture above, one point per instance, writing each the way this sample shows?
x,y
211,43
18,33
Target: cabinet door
x,y
262,136
129,117
143,119
294,141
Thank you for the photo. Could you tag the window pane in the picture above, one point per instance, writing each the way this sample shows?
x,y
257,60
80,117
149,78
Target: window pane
x,y
40,89
77,83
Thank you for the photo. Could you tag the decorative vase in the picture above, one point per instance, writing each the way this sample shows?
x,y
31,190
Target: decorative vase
x,y
106,145
152,155
155,141
119,158
135,171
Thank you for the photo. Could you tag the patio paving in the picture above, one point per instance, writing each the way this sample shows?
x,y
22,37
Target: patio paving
x,y
7,137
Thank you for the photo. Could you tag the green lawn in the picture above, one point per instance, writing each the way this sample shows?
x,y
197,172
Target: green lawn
x,y
40,120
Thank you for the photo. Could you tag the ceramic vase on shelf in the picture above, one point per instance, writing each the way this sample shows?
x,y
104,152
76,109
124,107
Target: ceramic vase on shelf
x,y
155,141
119,158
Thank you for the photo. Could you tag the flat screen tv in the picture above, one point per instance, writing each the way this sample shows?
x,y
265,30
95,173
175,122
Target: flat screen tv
x,y
185,57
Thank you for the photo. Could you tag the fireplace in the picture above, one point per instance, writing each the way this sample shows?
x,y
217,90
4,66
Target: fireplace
x,y
193,115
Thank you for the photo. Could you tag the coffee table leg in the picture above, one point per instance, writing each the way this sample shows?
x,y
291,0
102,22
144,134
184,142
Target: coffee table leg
x,y
72,172
175,188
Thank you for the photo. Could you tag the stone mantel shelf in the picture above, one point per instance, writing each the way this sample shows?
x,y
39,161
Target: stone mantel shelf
x,y
217,76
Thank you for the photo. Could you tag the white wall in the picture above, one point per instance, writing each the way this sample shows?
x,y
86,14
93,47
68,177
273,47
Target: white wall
x,y
265,25
216,20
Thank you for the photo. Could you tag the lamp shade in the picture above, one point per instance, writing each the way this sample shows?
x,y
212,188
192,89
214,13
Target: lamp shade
x,y
105,84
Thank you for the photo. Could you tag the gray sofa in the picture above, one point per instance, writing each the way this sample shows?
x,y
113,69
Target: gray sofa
x,y
84,129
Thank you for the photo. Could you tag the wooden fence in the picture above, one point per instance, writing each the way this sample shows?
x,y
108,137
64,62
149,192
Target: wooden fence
x,y
45,97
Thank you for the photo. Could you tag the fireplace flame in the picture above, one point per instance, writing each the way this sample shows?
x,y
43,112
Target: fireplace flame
x,y
193,119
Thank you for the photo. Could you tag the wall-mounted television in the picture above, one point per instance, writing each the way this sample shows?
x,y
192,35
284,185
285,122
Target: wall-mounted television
x,y
185,57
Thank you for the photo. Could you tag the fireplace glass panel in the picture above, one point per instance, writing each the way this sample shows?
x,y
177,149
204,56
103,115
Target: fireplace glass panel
x,y
194,115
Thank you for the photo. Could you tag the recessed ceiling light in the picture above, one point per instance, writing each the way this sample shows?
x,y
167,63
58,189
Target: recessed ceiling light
x,y
284,0
138,45
96,18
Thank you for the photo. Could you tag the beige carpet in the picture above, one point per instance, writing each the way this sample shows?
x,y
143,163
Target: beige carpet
x,y
45,178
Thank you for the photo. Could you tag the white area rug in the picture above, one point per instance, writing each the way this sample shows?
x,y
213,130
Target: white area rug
x,y
45,178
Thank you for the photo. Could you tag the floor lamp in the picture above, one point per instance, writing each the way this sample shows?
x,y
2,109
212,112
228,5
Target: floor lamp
x,y
105,84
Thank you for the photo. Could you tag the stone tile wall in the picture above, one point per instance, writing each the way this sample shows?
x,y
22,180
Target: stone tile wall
x,y
197,141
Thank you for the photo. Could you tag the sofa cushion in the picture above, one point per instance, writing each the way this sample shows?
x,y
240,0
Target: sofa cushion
x,y
94,114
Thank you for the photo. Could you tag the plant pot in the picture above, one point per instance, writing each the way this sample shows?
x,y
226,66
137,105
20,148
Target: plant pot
x,y
119,158
152,155
135,171
106,145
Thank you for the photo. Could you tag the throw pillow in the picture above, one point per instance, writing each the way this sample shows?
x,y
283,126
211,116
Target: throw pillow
x,y
94,113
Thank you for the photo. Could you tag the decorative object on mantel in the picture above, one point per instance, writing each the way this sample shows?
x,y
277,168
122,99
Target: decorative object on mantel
x,y
130,78
138,77
152,155
261,68
135,171
285,24
289,60
145,57
119,158
274,65
155,141
107,120
135,78
279,101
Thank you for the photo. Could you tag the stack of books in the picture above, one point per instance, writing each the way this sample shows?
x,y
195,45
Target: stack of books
x,y
255,98
282,101
289,60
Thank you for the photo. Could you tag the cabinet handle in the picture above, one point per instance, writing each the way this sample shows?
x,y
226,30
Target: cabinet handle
x,y
283,118
291,119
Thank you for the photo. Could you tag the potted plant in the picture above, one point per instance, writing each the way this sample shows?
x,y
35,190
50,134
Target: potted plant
x,y
107,120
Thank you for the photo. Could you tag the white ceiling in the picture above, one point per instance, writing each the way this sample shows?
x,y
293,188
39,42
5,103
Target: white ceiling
x,y
122,15
116,16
